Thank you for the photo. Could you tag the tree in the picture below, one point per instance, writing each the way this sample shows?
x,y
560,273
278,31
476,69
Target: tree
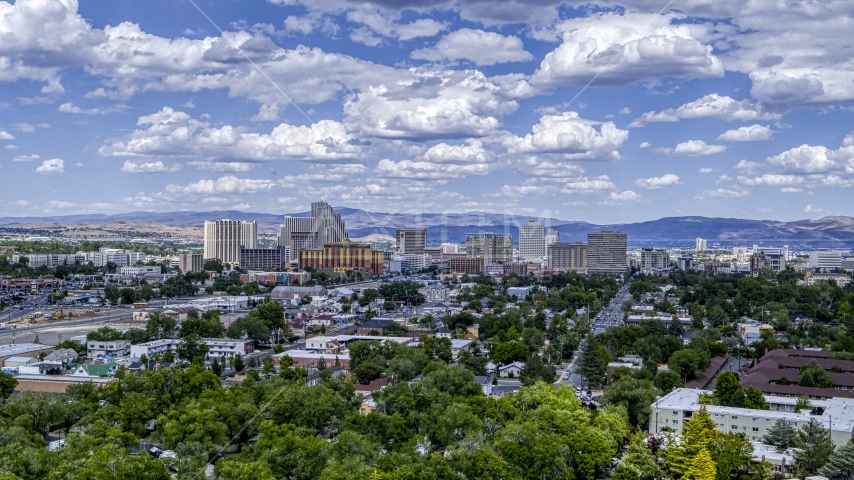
x,y
509,352
699,431
688,363
732,455
250,327
536,370
781,434
160,325
104,334
192,348
207,326
593,364
802,403
725,387
217,367
737,399
237,363
815,448
702,467
840,465
7,385
753,398
636,395
638,462
666,381
321,364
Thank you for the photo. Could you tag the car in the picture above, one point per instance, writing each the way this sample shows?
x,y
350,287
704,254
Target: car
x,y
154,452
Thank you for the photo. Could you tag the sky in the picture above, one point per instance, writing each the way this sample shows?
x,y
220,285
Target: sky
x,y
613,111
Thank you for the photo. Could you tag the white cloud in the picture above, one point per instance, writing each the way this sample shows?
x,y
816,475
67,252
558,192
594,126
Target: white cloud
x,y
658,182
753,133
644,145
431,104
723,193
693,148
791,190
625,111
747,167
573,137
26,158
548,170
224,167
472,152
24,127
71,108
815,159
4,135
10,147
366,36
812,209
712,105
589,186
173,133
707,170
622,198
420,170
477,46
225,184
54,165
771,179
620,49
423,27
148,167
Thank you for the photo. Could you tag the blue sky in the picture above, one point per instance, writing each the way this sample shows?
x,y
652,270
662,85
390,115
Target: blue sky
x,y
604,112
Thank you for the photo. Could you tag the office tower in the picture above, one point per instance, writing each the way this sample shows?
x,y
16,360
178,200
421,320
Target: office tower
x,y
223,239
467,266
685,262
700,244
268,259
191,262
741,254
495,248
826,259
311,233
654,259
552,236
342,256
532,241
411,240
773,258
450,248
568,256
606,252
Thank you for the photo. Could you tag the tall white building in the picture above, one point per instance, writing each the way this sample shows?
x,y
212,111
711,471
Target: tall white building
x,y
773,258
311,233
223,239
654,259
411,240
552,237
826,259
450,248
741,254
700,244
495,248
532,241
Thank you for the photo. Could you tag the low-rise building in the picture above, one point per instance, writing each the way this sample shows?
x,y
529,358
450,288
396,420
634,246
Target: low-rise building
x,y
752,332
307,359
154,347
95,370
116,348
511,370
28,350
227,348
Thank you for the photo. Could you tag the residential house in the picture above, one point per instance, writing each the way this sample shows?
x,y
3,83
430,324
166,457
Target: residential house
x,y
116,348
373,327
458,346
95,370
511,370
62,355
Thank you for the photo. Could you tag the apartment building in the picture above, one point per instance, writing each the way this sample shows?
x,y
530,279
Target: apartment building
x,y
830,260
223,239
568,256
607,252
191,262
494,248
654,259
263,258
411,240
532,241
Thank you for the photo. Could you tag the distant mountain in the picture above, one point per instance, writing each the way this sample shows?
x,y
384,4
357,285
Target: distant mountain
x,y
827,232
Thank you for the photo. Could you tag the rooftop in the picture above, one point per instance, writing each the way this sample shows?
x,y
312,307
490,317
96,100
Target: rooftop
x,y
13,349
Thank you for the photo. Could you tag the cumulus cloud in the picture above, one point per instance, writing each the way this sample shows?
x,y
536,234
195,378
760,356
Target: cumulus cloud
x,y
644,145
812,209
815,159
226,184
148,167
4,135
573,137
477,46
589,186
472,152
54,165
753,133
723,193
224,167
747,167
176,134
770,179
791,190
712,105
552,171
622,198
71,108
658,182
613,49
707,170
420,170
26,158
693,148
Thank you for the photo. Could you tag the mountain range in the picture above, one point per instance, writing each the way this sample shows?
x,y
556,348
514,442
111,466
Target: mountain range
x,y
827,232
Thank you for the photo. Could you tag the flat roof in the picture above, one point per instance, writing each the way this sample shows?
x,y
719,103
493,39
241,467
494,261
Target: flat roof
x,y
12,349
307,354
838,413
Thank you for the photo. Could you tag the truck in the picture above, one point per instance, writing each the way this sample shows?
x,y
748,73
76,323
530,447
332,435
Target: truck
x,y
2,326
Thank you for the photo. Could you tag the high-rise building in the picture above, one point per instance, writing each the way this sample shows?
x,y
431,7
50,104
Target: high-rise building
x,y
311,233
700,244
685,262
606,252
411,240
654,259
552,236
223,239
568,256
191,262
263,258
450,248
494,248
773,258
532,241
338,257
741,254
826,259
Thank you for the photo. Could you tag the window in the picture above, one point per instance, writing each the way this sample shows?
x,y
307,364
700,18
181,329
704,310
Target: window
x,y
675,412
733,427
755,419
735,417
755,429
675,422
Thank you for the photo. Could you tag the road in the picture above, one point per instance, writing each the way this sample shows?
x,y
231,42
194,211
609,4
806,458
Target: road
x,y
610,316
53,333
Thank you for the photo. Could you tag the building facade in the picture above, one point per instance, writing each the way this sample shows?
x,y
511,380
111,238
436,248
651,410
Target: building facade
x,y
191,262
685,262
411,240
607,252
532,241
552,237
700,244
826,259
494,248
311,233
223,239
342,256
467,266
773,258
263,258
568,256
654,259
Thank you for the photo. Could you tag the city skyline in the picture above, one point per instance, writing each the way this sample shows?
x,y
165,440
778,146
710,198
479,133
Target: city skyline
x,y
432,107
